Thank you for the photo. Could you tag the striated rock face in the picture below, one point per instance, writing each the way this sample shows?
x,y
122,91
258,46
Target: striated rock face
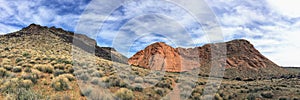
x,y
240,56
158,56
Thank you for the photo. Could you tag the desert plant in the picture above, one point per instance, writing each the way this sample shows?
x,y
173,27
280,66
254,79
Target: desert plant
x,y
26,83
97,74
60,83
160,91
95,80
137,87
138,80
3,72
8,67
251,97
16,89
44,68
27,55
70,77
59,66
284,98
218,97
30,76
267,94
124,94
58,72
17,69
27,69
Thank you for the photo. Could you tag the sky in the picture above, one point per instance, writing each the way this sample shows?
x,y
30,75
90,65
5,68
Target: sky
x,y
272,26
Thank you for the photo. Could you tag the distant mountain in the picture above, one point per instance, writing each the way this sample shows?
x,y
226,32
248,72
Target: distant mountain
x,y
242,59
59,40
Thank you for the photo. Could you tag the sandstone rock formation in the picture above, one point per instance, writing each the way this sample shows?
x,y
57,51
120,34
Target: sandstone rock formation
x,y
241,56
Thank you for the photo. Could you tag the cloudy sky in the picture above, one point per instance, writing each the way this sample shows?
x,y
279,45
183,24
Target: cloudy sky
x,y
272,26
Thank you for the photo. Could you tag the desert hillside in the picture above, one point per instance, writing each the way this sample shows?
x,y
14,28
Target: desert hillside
x,y
48,63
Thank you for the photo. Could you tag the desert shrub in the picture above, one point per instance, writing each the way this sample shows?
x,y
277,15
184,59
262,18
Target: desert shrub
x,y
32,62
44,68
296,98
69,68
83,76
218,97
8,67
60,83
267,94
124,94
17,69
26,83
3,72
244,91
27,55
30,76
138,80
114,81
97,74
27,65
70,77
6,49
196,96
137,87
59,66
63,61
251,97
165,84
105,79
198,89
58,72
95,80
238,78
27,69
6,61
16,89
160,91
284,98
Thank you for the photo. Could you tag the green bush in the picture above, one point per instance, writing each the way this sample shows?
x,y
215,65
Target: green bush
x,y
124,94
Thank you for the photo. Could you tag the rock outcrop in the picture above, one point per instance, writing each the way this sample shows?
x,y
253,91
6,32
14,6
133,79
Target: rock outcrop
x,y
240,56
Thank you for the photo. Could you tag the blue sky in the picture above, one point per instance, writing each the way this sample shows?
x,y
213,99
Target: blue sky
x,y
272,26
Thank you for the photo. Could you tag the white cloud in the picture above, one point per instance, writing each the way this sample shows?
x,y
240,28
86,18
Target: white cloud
x,y
288,8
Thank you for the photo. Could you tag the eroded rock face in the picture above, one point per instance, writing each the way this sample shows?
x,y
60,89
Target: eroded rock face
x,y
158,56
239,54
